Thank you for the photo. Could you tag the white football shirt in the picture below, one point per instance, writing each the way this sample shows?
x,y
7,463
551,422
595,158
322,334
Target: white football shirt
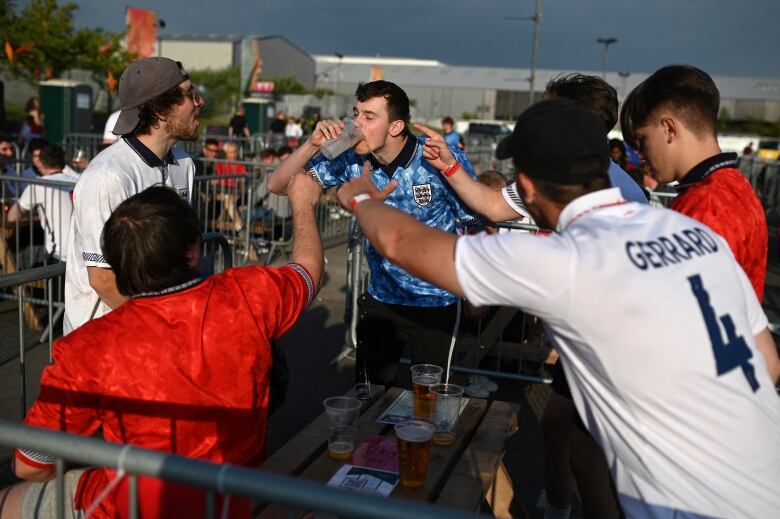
x,y
655,321
54,206
123,169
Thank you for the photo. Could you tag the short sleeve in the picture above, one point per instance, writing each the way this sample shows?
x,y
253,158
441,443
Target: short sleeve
x,y
491,271
331,173
277,296
513,200
95,199
62,405
26,200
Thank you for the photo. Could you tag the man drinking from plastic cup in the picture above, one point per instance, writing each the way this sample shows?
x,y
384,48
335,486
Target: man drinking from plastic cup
x,y
399,309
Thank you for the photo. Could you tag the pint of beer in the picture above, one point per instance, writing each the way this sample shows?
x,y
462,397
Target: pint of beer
x,y
424,377
414,450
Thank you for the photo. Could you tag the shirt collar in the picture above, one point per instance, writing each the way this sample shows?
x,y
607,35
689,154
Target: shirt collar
x,y
586,203
402,160
707,166
147,155
178,288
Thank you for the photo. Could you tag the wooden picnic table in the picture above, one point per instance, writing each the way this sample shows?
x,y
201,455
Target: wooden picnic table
x,y
462,475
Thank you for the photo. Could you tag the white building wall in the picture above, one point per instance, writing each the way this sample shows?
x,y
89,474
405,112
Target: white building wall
x,y
197,55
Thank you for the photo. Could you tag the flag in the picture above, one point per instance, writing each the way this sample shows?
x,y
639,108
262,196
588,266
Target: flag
x,y
141,31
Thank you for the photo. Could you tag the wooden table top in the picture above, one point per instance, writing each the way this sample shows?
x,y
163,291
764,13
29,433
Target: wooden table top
x,y
459,475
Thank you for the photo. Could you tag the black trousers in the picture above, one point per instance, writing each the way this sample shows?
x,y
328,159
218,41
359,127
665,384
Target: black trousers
x,y
385,330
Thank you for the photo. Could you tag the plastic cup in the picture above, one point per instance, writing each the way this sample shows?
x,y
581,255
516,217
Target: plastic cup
x,y
424,377
348,137
414,451
448,397
343,413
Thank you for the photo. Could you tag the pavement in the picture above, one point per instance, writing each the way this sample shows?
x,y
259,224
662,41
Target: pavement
x,y
310,346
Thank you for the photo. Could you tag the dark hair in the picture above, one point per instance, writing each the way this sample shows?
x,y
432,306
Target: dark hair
x,y
210,141
685,90
36,144
147,240
591,91
448,120
160,107
268,152
52,156
564,193
617,143
283,150
397,100
5,138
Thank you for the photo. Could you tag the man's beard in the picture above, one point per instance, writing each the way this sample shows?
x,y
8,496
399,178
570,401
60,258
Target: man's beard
x,y
182,132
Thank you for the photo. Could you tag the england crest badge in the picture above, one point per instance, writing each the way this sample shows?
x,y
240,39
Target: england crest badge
x,y
422,194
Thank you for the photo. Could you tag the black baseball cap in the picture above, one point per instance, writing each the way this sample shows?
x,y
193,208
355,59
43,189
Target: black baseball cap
x,y
142,81
551,139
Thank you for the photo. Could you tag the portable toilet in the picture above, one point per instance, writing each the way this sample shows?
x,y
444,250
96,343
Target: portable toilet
x,y
67,106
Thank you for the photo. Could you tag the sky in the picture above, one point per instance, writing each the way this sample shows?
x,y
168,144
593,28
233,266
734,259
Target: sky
x,y
723,37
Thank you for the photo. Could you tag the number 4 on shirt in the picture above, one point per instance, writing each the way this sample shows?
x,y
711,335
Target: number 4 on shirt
x,y
729,355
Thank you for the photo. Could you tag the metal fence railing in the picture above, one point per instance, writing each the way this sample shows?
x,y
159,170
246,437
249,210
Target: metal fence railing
x,y
213,478
764,176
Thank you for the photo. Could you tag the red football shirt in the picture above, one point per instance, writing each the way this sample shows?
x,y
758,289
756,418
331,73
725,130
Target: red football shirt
x,y
185,372
725,201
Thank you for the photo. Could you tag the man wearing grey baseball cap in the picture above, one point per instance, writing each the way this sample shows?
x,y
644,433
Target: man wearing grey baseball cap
x,y
159,106
665,345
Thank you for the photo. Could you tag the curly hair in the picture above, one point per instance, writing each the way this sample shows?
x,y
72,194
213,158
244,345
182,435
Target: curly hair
x,y
151,112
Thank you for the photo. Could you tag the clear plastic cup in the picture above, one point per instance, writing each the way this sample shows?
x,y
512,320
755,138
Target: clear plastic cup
x,y
348,137
448,397
343,413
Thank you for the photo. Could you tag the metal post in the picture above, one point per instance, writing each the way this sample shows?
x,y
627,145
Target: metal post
x,y
537,18
60,488
623,77
606,42
22,368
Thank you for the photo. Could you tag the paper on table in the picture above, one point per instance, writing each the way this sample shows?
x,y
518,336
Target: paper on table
x,y
377,452
362,479
402,409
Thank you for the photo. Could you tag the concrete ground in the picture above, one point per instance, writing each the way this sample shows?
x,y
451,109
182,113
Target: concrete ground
x,y
310,346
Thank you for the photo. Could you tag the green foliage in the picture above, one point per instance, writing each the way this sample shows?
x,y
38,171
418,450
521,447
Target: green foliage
x,y
220,87
287,85
46,44
468,115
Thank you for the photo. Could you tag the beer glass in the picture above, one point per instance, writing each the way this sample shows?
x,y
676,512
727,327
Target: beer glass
x,y
446,412
414,451
343,413
424,377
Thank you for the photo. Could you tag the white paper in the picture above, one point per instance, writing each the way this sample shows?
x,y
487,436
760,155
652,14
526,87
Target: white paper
x,y
362,479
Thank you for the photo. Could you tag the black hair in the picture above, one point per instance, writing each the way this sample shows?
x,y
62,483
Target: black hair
x,y
147,240
689,92
591,91
397,100
52,156
151,112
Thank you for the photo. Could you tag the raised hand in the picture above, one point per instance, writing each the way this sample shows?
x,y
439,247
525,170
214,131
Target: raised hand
x,y
325,130
363,184
435,150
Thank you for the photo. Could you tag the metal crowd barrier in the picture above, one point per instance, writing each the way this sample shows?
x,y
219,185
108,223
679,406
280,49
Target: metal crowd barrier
x,y
764,176
213,478
508,343
483,158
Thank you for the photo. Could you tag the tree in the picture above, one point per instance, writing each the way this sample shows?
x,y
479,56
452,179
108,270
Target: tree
x,y
102,54
221,89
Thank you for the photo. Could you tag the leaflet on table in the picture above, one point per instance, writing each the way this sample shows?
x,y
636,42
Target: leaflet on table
x,y
362,479
402,409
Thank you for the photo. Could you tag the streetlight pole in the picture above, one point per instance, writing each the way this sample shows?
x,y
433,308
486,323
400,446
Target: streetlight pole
x,y
606,42
160,26
537,19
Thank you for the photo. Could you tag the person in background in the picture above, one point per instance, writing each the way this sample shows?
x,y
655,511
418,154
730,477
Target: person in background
x,y
617,151
238,125
451,137
293,132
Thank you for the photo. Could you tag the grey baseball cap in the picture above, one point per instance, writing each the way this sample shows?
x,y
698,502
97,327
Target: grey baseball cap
x,y
142,81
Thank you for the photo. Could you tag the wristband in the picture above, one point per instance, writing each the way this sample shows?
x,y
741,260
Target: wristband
x,y
357,199
451,169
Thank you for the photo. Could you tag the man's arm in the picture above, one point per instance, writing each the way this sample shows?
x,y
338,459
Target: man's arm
x,y
284,172
423,251
479,197
15,213
307,251
766,345
103,281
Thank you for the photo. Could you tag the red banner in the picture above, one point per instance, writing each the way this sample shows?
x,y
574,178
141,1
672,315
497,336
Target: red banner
x,y
141,31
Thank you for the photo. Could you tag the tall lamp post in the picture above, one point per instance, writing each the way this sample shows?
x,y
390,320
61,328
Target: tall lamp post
x,y
160,26
606,42
537,19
